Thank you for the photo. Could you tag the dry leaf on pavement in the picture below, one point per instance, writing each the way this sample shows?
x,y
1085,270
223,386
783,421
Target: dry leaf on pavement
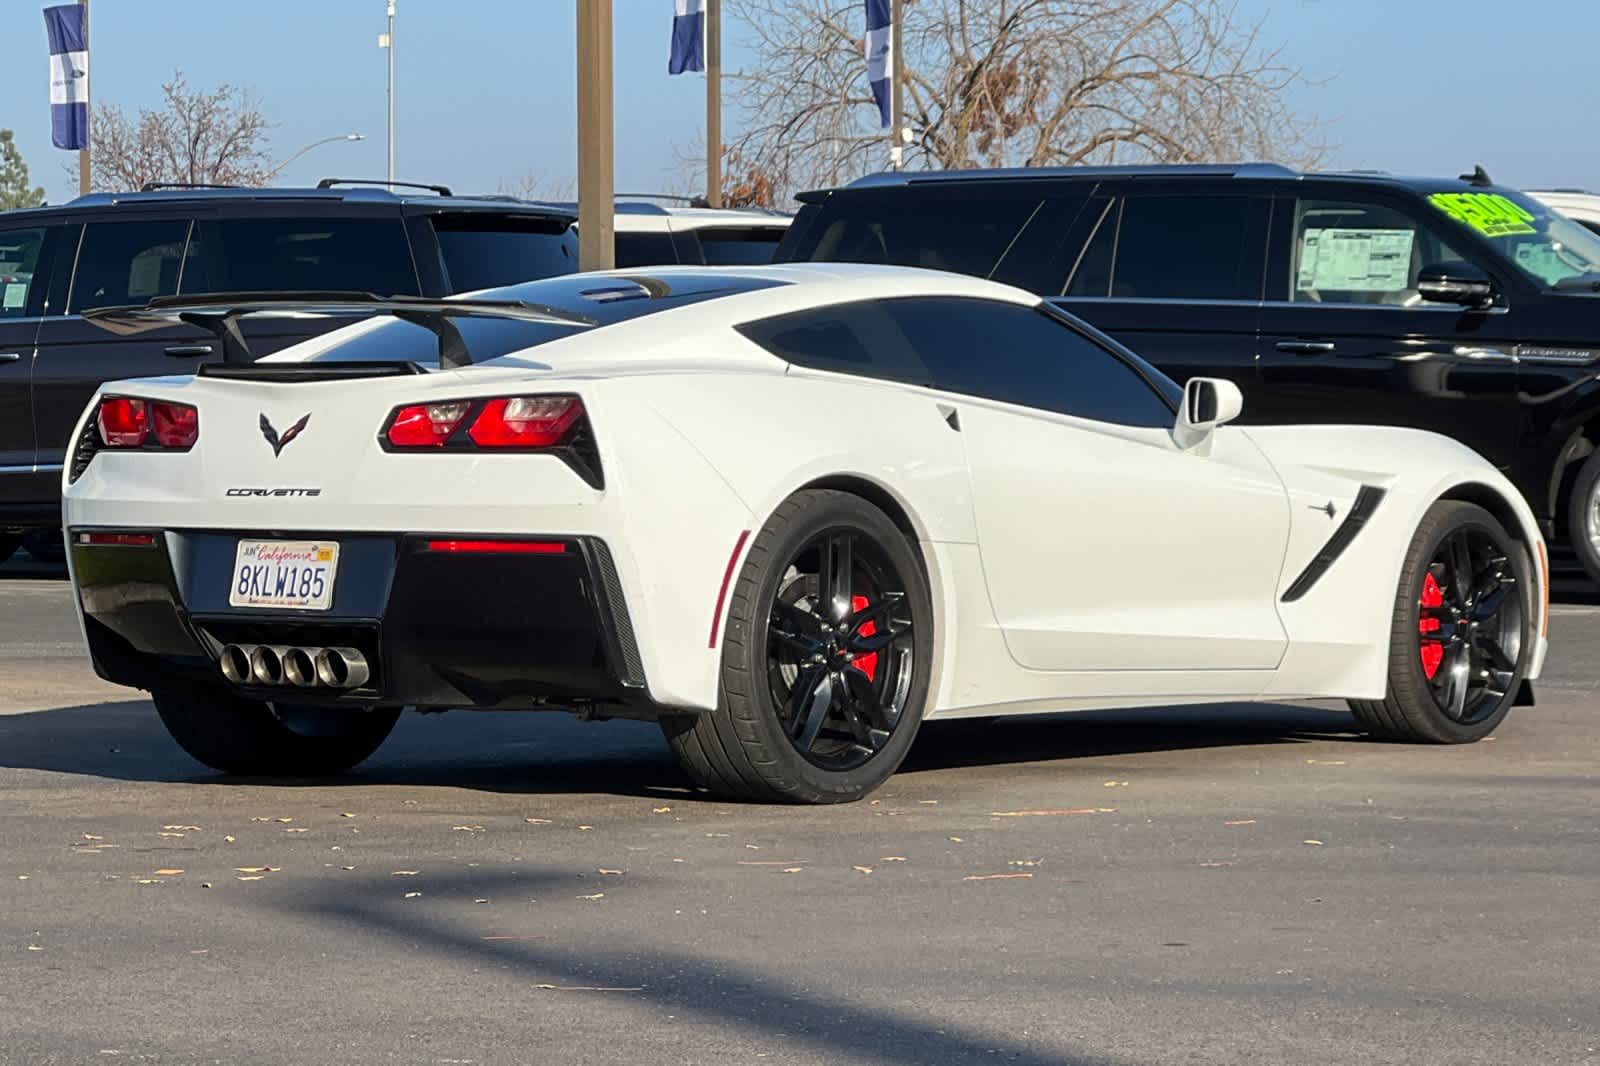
x,y
1045,811
995,877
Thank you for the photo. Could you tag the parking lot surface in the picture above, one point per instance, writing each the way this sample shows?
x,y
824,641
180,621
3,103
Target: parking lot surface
x,y
1220,884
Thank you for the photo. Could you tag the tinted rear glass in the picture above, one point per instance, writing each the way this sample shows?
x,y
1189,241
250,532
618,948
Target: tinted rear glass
x,y
739,246
1182,247
303,254
128,262
645,249
483,251
966,234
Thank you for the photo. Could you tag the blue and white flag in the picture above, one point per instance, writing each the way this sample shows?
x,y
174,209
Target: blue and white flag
x,y
880,59
68,28
688,36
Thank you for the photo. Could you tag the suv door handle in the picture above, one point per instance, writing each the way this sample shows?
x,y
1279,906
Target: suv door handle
x,y
10,357
189,349
1306,347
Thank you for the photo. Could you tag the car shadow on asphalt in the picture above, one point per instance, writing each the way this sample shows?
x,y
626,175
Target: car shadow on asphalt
x,y
738,1000
553,753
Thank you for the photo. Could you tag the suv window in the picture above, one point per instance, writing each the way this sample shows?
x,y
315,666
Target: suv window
x,y
485,251
1182,248
1350,252
19,259
969,234
739,246
645,249
975,347
304,254
128,263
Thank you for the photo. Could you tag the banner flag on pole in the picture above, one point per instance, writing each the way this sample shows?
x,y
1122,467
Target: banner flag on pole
x,y
69,75
688,36
880,58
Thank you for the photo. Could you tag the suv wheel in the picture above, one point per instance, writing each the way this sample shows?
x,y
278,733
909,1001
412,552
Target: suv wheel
x,y
9,542
1583,517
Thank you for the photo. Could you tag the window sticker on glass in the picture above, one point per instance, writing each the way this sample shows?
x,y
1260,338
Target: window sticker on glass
x,y
15,295
1355,260
1489,213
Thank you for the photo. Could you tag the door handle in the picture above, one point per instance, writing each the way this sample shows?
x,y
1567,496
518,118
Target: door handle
x,y
10,357
1483,355
188,349
1306,347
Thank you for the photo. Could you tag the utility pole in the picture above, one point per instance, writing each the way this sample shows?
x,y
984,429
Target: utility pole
x,y
88,108
714,103
897,80
596,138
386,42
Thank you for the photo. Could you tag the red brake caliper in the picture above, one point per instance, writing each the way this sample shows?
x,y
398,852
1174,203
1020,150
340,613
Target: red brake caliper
x,y
868,664
1432,649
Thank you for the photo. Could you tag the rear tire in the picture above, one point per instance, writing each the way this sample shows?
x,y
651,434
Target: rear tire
x,y
826,655
9,542
240,736
1461,635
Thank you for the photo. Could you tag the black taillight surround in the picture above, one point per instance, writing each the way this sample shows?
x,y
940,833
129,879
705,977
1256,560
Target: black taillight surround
x,y
576,448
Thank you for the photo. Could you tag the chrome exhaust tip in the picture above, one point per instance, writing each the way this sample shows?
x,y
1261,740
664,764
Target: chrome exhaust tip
x,y
235,662
266,665
300,667
342,667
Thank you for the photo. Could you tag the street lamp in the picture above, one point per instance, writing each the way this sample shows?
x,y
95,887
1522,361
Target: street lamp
x,y
314,144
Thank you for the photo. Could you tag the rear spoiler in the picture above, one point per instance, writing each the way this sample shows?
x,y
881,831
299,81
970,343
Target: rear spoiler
x,y
219,314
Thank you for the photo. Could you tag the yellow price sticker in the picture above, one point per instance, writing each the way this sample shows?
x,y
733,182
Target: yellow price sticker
x,y
1489,213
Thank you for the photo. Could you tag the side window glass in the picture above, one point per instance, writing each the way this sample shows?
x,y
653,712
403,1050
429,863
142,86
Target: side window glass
x,y
1022,355
967,235
1182,248
128,263
1091,274
858,338
1360,253
644,249
19,259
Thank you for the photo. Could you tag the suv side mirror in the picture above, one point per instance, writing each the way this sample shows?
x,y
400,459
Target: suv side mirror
x,y
1456,283
1207,404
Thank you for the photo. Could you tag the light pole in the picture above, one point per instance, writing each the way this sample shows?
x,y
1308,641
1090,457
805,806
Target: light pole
x,y
386,42
314,144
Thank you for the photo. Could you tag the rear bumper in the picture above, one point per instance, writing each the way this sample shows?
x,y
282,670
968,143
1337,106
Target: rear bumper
x,y
506,631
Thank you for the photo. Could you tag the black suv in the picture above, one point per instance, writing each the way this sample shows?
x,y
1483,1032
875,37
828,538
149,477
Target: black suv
x,y
115,249
1450,305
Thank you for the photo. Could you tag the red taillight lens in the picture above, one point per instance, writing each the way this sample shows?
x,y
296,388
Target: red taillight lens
x,y
498,547
117,540
425,425
124,422
525,421
176,425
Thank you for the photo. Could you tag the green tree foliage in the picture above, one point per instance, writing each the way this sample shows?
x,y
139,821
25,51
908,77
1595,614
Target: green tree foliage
x,y
14,188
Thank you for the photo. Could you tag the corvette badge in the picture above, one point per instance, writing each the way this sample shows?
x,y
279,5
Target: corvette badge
x,y
279,442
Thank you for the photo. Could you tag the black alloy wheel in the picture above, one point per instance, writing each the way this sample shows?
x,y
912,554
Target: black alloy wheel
x,y
839,654
1469,626
1461,632
827,652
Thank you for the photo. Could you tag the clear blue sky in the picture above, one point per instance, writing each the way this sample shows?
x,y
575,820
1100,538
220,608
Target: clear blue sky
x,y
486,87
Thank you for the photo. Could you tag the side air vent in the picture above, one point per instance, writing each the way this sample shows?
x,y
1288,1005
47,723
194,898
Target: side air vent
x,y
1366,503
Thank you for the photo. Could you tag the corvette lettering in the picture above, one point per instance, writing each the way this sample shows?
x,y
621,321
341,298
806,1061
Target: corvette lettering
x,y
274,492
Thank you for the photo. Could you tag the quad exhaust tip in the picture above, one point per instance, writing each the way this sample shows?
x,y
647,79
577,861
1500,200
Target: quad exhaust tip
x,y
272,664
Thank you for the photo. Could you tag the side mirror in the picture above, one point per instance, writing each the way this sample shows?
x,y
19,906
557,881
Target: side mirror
x,y
1456,283
1207,404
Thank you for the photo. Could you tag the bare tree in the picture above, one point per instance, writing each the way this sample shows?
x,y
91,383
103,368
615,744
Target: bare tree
x,y
536,185
217,137
1017,83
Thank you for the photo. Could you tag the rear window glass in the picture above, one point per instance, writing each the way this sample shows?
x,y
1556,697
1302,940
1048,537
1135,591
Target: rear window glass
x,y
303,254
739,246
967,235
645,249
482,252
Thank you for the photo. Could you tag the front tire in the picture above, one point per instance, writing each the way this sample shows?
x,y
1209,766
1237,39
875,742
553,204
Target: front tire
x,y
1583,517
245,737
826,657
1462,631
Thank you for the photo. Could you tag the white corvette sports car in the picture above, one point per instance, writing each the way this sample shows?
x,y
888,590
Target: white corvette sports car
x,y
789,512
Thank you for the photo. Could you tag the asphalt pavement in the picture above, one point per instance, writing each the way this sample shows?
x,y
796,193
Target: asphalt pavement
x,y
1197,885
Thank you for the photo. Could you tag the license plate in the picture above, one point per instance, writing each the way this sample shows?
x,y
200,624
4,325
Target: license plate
x,y
284,573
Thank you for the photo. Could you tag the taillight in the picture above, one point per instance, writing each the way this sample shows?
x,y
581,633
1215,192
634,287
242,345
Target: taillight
x,y
129,422
525,421
425,425
556,424
123,422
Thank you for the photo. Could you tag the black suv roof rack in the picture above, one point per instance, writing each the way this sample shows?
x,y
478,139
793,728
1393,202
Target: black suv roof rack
x,y
687,201
329,183
156,186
